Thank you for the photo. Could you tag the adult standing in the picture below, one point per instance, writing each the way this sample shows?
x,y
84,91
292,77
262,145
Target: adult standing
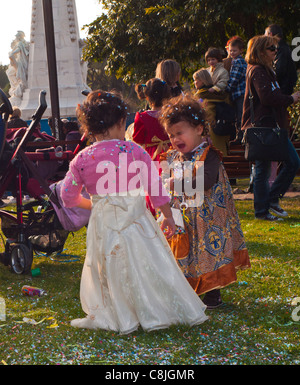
x,y
286,73
268,98
284,65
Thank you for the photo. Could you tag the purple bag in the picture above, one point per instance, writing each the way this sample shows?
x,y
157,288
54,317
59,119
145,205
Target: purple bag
x,y
72,219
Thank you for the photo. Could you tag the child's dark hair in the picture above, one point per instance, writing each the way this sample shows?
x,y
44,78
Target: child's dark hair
x,y
156,90
71,126
100,111
276,30
182,108
236,41
213,52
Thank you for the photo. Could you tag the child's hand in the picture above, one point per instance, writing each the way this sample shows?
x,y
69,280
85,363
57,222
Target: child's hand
x,y
212,90
168,227
169,184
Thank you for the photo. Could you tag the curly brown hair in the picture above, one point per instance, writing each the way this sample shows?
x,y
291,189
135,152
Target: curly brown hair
x,y
182,108
156,90
100,111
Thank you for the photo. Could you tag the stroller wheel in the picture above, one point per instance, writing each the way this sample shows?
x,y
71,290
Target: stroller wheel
x,y
21,259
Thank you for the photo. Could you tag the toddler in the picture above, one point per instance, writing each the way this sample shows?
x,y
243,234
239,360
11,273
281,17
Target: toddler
x,y
217,245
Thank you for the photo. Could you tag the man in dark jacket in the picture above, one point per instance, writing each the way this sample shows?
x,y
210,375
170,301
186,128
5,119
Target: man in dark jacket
x,y
285,68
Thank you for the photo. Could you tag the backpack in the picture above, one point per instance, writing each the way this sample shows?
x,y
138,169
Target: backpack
x,y
225,120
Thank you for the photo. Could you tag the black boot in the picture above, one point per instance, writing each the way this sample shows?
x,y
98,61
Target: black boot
x,y
212,299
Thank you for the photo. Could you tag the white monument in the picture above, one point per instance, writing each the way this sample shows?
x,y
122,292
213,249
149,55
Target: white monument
x,y
70,68
17,71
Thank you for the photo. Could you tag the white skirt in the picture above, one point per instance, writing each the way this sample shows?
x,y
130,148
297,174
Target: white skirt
x,y
130,277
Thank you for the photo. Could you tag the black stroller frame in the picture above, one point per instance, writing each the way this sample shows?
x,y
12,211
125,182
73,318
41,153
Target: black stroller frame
x,y
23,223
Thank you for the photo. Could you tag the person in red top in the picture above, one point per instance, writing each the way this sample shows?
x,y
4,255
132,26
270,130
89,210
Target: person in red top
x,y
147,130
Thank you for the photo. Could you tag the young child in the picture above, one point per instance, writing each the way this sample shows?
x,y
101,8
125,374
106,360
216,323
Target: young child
x,y
237,81
217,246
216,69
147,130
203,83
130,276
169,71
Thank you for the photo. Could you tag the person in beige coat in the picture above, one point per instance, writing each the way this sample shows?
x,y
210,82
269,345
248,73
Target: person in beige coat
x,y
219,74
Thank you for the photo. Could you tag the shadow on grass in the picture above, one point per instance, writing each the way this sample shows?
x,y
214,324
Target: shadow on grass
x,y
267,250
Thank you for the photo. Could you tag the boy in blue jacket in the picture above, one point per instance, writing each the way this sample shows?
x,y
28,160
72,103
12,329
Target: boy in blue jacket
x,y
237,81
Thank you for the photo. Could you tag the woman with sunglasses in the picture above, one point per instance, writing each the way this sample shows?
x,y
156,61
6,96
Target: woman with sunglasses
x,y
268,99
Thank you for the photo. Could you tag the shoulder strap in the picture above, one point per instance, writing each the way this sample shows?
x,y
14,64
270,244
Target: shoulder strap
x,y
251,102
252,107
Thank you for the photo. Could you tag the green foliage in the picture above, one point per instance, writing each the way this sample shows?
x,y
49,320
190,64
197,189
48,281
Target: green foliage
x,y
98,79
4,83
133,36
294,113
124,37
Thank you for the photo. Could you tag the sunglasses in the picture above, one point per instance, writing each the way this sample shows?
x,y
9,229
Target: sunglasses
x,y
272,48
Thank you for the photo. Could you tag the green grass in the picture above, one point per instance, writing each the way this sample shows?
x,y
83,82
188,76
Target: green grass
x,y
254,327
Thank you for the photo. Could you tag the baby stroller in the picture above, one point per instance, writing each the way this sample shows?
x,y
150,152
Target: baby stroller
x,y
41,225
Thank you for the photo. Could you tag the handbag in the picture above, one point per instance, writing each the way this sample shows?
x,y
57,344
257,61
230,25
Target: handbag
x,y
265,143
179,242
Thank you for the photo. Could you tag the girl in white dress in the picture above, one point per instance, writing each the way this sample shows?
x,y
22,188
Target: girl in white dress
x,y
130,276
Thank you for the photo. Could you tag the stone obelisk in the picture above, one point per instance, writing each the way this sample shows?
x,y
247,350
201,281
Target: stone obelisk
x,y
71,71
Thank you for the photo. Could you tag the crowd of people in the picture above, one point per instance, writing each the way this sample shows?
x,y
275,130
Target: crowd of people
x,y
226,81
130,276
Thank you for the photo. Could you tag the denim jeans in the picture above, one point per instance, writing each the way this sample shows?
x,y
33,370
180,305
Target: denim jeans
x,y
238,107
264,195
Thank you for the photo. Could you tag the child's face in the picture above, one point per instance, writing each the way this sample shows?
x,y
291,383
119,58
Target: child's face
x,y
234,51
212,61
184,137
198,83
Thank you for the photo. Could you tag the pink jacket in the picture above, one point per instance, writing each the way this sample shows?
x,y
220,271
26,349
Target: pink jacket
x,y
112,166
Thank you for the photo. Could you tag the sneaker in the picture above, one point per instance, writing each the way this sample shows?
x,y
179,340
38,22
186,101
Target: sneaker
x,y
269,217
276,209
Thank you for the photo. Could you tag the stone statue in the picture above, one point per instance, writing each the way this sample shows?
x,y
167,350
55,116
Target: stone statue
x,y
17,71
83,64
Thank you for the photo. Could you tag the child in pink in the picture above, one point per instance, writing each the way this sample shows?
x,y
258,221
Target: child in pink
x,y
130,276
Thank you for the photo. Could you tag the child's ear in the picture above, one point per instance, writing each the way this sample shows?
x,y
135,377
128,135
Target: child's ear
x,y
200,129
122,122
